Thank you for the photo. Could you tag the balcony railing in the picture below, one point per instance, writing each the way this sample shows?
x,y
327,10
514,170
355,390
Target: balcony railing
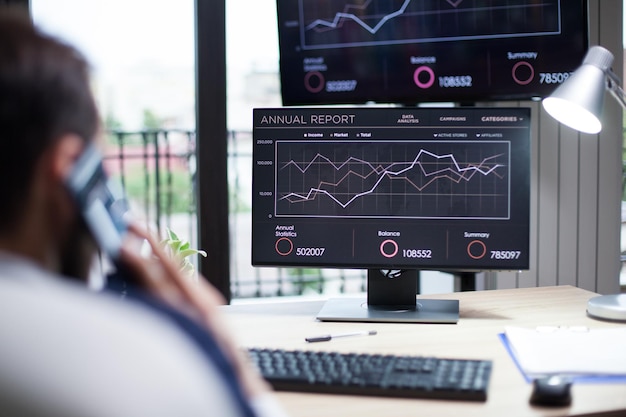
x,y
158,171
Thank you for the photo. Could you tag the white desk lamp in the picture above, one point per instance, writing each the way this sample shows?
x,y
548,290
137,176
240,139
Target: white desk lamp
x,y
577,103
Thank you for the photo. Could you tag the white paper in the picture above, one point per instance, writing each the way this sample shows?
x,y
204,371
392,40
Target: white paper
x,y
570,350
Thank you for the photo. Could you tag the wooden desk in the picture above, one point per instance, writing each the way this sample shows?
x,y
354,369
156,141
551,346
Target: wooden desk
x,y
483,316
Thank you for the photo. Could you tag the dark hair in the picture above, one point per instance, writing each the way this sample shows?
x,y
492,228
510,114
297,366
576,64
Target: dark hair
x,y
44,94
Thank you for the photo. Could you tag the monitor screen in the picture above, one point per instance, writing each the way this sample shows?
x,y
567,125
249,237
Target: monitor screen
x,y
388,188
416,51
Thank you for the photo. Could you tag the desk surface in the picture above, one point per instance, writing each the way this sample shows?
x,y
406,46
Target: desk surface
x,y
483,315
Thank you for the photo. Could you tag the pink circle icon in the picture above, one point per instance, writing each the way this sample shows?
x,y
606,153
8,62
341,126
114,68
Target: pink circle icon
x,y
314,81
529,76
431,77
284,246
476,249
386,245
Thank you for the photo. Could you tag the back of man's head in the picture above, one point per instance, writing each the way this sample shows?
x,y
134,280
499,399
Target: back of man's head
x,y
44,94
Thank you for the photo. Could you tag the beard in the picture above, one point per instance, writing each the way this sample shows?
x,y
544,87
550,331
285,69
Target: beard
x,y
78,252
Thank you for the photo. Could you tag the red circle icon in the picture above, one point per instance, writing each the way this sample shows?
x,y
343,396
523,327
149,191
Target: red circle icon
x,y
314,81
431,77
476,249
284,246
386,245
527,77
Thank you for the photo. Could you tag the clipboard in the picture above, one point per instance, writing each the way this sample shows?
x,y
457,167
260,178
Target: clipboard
x,y
586,359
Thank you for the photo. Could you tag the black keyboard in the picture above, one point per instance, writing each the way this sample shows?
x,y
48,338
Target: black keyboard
x,y
371,374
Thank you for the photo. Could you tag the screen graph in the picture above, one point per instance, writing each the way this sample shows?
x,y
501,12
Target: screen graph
x,y
383,187
344,23
408,179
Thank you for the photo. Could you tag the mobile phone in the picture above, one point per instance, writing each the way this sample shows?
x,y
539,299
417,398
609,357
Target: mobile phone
x,y
101,201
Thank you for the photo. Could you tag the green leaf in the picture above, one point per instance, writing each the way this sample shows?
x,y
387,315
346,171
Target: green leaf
x,y
180,250
189,252
172,235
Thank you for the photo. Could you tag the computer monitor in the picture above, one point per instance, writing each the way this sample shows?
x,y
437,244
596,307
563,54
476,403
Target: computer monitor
x,y
415,51
394,191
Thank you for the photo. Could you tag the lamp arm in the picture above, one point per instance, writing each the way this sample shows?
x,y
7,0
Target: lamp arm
x,y
613,85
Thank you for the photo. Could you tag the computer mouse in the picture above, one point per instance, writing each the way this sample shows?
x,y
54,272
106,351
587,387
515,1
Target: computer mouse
x,y
554,391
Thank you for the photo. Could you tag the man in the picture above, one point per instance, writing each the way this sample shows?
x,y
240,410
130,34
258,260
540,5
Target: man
x,y
66,351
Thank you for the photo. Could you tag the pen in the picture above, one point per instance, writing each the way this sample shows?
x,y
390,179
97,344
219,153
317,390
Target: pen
x,y
326,338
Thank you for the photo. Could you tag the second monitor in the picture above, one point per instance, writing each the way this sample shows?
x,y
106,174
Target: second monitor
x,y
391,190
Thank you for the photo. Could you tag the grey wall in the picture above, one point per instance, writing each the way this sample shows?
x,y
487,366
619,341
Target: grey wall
x,y
576,188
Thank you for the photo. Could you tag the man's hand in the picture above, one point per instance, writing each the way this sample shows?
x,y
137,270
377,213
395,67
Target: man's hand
x,y
198,299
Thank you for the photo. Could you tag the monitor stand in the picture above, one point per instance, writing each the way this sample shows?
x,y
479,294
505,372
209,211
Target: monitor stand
x,y
391,299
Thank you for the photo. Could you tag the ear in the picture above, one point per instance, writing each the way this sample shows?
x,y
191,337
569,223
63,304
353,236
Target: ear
x,y
65,153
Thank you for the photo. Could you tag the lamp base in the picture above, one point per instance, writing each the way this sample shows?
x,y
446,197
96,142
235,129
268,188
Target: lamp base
x,y
608,307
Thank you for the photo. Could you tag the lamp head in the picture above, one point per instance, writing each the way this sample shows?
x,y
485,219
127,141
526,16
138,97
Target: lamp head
x,y
578,102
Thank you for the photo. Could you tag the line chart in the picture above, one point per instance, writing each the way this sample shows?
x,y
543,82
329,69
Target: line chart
x,y
416,179
339,18
341,23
